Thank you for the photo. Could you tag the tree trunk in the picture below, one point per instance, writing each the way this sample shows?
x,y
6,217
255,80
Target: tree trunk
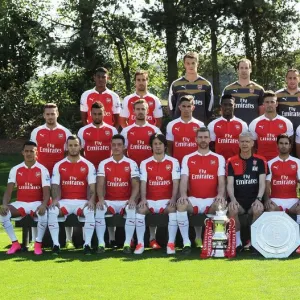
x,y
214,58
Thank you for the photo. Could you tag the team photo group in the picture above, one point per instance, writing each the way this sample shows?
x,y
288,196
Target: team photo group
x,y
239,157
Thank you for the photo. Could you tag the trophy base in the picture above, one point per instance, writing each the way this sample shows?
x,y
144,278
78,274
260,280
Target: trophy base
x,y
218,253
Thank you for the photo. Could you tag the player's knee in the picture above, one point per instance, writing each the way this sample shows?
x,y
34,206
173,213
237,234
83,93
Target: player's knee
x,y
142,211
89,214
53,214
233,211
130,213
100,214
173,219
5,218
258,210
42,218
182,207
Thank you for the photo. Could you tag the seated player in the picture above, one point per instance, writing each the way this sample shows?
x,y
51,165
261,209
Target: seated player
x,y
71,179
33,193
117,190
160,176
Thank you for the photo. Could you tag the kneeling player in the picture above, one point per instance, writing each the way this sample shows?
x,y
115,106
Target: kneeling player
x,y
160,176
33,192
70,181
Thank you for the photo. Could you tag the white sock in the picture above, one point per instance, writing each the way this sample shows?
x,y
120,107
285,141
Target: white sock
x,y
129,225
198,231
34,233
172,227
183,224
152,231
100,226
89,225
140,228
41,227
53,225
111,233
298,219
8,227
238,238
69,233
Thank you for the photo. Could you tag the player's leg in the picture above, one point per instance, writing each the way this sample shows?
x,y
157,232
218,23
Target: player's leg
x,y
256,211
129,228
295,209
89,227
53,213
172,228
100,226
274,205
233,212
69,239
33,238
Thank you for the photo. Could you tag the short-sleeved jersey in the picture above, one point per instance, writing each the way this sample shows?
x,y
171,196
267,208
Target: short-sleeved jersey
x,y
74,178
154,110
159,176
200,89
29,181
289,106
225,134
297,139
183,136
284,176
108,98
118,175
137,141
245,173
203,172
96,142
247,100
265,131
51,144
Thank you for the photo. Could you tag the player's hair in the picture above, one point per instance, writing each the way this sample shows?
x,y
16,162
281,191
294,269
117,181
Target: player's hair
x,y
291,70
160,137
50,105
284,136
118,137
97,104
202,129
141,72
269,94
188,98
247,134
191,55
73,137
29,143
140,101
101,70
245,60
227,96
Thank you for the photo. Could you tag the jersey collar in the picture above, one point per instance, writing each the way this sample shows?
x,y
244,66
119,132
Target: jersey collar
x,y
104,92
289,158
265,118
136,95
161,160
56,127
33,166
233,119
192,120
209,153
298,91
118,162
146,124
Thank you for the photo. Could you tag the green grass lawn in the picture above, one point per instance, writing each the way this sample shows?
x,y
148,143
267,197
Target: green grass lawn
x,y
153,275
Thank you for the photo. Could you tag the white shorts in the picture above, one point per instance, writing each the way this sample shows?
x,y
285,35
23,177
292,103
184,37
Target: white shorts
x,y
26,208
116,206
285,204
68,206
158,206
201,206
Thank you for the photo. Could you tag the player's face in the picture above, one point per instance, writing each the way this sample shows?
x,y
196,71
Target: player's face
x,y
270,104
292,80
73,147
29,153
284,146
140,111
245,143
244,70
141,83
100,79
117,147
97,115
227,107
203,140
50,116
158,147
190,65
186,109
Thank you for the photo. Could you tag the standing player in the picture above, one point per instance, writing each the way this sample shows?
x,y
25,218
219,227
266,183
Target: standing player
x,y
127,116
101,93
246,174
181,131
248,94
192,84
160,176
137,134
33,184
202,186
72,178
267,127
117,190
225,131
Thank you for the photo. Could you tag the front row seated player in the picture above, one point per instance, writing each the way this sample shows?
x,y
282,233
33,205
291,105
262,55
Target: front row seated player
x,y
72,176
33,192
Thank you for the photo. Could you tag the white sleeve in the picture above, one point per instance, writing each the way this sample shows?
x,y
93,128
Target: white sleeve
x,y
170,97
221,169
124,132
33,135
298,135
83,102
269,176
211,127
101,171
124,109
175,170
92,173
184,166
157,130
45,177
114,131
12,175
143,171
252,128
157,113
169,135
68,133
55,175
80,136
244,127
290,130
116,104
135,172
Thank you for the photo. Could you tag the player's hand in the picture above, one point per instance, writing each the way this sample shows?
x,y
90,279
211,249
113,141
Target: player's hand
x,y
131,204
142,204
55,203
221,200
233,205
183,200
4,210
101,204
257,204
172,203
268,205
41,209
90,205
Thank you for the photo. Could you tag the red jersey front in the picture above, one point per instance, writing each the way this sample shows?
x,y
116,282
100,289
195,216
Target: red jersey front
x,y
183,136
159,176
74,178
137,141
225,134
29,181
51,144
118,176
96,142
154,109
284,176
203,172
265,131
108,98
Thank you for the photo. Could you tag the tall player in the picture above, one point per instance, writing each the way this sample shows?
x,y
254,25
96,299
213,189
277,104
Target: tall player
x,y
181,131
101,93
72,178
248,94
192,84
160,176
202,186
117,190
127,116
225,131
33,193
267,127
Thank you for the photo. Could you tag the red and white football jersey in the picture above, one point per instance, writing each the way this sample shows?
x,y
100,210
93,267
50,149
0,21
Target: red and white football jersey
x,y
297,138
118,176
96,142
51,144
265,131
29,181
284,176
203,172
183,136
225,134
155,109
137,141
159,177
108,98
74,178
